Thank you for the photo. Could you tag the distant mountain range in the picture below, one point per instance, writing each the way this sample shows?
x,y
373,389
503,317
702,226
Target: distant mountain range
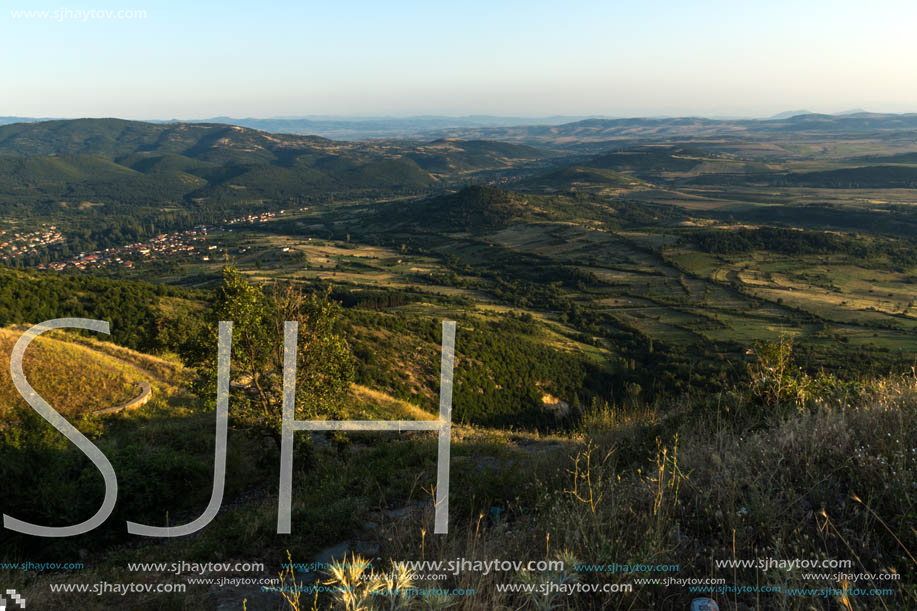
x,y
355,128
538,130
607,133
359,128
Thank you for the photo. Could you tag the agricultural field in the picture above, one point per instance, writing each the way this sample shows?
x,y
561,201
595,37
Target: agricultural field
x,y
649,278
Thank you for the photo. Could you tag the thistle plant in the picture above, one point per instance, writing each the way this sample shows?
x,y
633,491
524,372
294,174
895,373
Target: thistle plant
x,y
397,586
353,592
547,594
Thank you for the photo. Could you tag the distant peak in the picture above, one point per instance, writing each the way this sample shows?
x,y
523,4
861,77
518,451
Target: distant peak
x,y
789,114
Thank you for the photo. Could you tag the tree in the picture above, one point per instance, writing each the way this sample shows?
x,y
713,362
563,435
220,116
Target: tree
x,y
774,377
325,366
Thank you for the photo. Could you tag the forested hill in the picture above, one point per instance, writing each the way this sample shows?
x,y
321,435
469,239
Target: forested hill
x,y
134,143
130,307
116,138
471,209
55,166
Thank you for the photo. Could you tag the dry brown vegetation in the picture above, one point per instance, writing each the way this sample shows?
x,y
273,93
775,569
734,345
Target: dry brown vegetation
x,y
823,472
74,379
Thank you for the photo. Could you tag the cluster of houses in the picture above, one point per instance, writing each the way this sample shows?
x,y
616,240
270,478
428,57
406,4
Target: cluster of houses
x,y
252,218
163,246
259,218
166,246
15,244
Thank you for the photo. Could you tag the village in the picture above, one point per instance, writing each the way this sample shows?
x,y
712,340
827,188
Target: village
x,y
15,244
166,247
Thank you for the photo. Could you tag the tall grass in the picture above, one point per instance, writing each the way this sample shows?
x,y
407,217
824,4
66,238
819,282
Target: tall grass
x,y
828,473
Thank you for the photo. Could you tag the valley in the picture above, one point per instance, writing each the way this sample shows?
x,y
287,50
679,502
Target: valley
x,y
657,310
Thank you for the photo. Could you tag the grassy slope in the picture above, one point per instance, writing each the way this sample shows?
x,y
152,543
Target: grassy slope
x,y
76,377
680,483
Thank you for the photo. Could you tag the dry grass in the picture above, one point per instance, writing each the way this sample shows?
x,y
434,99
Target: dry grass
x,y
74,379
829,478
368,404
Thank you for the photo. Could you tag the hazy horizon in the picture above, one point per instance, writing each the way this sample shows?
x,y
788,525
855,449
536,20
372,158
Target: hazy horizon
x,y
708,58
468,117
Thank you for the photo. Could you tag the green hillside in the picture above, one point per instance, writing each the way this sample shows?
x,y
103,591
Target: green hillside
x,y
579,178
113,169
866,177
116,137
447,156
648,161
471,209
872,177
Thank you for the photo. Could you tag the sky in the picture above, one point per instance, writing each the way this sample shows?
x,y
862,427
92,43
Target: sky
x,y
194,60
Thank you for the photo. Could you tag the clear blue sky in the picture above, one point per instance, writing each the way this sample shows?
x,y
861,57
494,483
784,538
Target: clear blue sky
x,y
272,58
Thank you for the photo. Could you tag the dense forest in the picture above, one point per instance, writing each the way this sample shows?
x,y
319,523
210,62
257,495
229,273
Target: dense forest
x,y
129,307
868,249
